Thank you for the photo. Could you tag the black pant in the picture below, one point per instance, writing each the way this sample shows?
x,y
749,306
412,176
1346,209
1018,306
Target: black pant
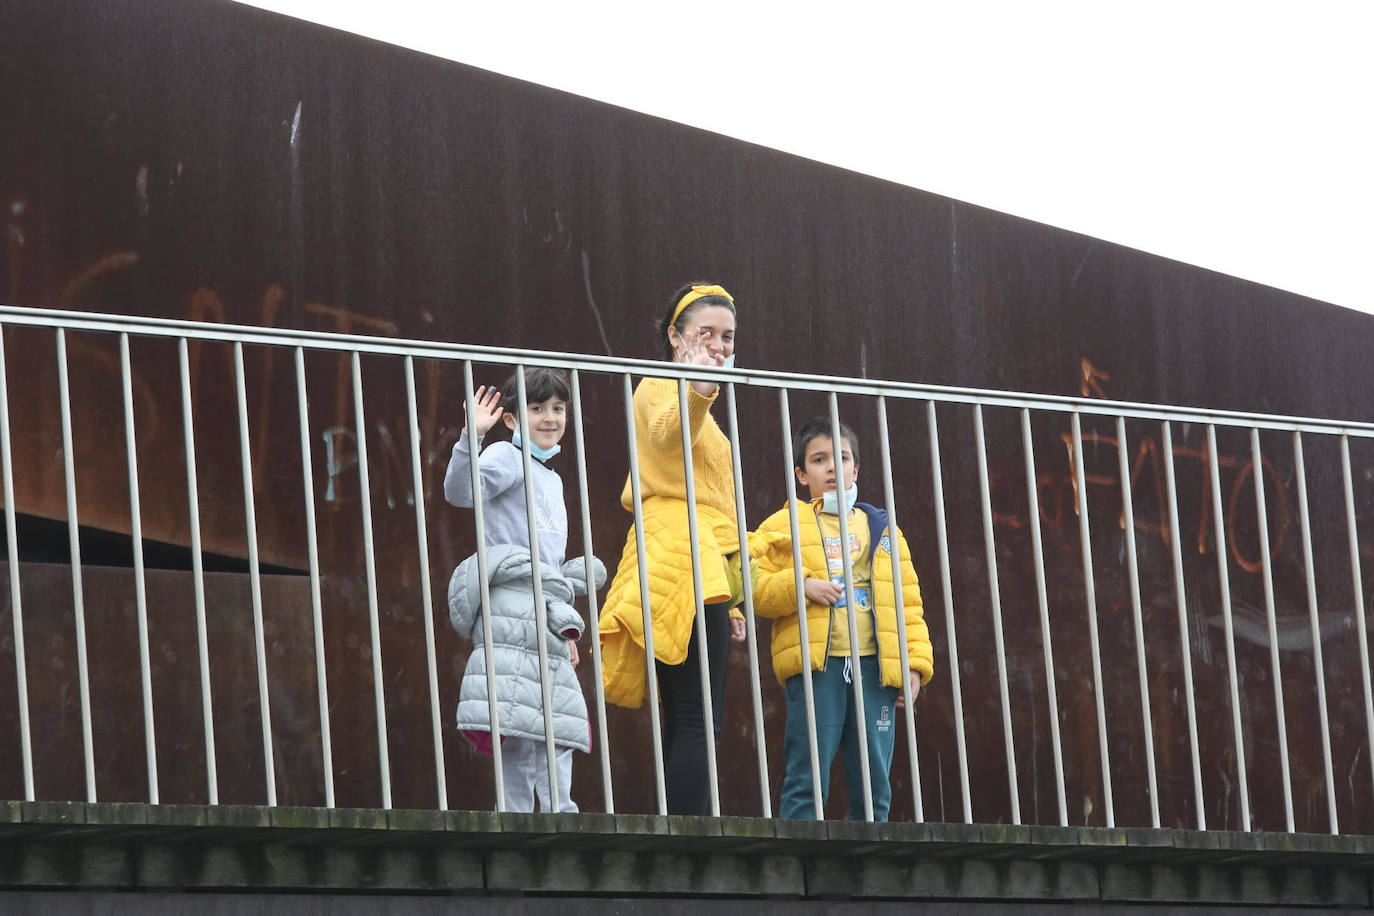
x,y
685,774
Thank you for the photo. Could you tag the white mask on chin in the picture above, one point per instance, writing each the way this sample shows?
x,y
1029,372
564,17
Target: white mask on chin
x,y
828,500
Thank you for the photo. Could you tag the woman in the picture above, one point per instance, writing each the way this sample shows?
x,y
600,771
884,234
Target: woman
x,y
697,329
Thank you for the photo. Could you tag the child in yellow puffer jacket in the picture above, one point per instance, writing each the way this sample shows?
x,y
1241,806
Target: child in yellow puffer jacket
x,y
834,661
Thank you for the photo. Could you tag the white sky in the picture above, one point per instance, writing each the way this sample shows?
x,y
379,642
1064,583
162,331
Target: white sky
x,y
1237,136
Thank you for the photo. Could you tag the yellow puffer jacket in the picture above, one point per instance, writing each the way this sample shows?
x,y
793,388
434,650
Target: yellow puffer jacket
x,y
775,596
672,598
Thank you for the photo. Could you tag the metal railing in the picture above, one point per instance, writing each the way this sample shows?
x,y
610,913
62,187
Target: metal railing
x,y
1256,743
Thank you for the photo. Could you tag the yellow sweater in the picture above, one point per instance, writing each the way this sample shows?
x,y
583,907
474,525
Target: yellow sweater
x,y
658,433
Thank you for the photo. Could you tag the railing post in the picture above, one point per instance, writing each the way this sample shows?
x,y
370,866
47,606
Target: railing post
x,y
16,605
995,596
1357,582
1185,646
426,588
803,622
370,567
1090,595
942,540
908,705
641,554
198,572
851,606
593,615
74,545
1133,568
1319,669
751,637
703,650
484,585
1224,576
1276,669
316,605
1042,597
540,612
140,591
255,578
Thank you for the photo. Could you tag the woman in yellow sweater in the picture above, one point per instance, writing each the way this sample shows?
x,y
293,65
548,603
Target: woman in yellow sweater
x,y
698,328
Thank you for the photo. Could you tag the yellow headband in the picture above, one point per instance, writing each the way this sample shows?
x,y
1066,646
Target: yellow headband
x,y
695,293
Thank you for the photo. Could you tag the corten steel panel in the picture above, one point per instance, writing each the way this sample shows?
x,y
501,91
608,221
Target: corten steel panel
x,y
197,159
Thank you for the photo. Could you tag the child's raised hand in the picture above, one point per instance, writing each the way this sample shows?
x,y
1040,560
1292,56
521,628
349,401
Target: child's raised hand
x,y
487,410
822,591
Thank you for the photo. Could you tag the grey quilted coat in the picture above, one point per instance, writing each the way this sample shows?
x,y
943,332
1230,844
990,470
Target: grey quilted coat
x,y
514,650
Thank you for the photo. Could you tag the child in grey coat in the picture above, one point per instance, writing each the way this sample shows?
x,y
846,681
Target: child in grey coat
x,y
515,636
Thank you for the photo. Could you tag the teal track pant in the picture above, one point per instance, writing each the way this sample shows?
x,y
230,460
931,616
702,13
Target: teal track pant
x,y
837,730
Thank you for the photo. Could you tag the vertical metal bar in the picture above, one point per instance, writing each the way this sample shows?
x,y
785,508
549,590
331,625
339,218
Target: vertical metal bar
x,y
1267,579
1042,596
851,607
1357,581
995,594
140,592
541,620
198,573
790,462
1219,523
370,565
1185,649
316,605
651,671
703,651
593,614
255,575
1090,595
909,706
16,605
1300,472
426,596
755,689
484,587
83,672
1133,568
942,540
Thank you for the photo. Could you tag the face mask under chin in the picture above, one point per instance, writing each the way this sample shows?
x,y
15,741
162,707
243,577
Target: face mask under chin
x,y
829,499
538,451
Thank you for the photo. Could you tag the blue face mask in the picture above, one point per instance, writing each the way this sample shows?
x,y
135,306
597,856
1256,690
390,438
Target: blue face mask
x,y
729,362
538,451
828,500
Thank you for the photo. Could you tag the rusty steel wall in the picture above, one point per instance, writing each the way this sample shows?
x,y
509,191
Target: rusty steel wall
x,y
198,159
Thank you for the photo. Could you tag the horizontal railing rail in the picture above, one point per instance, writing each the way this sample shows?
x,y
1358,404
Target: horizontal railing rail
x,y
423,349
1139,710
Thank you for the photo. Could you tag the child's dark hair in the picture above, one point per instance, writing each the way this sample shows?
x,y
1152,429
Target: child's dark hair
x,y
667,321
540,385
820,426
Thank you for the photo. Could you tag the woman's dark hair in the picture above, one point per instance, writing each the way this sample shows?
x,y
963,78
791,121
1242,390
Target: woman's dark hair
x,y
540,385
667,320
820,426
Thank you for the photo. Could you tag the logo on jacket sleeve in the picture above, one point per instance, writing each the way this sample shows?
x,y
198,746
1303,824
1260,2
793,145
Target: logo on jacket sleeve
x,y
886,543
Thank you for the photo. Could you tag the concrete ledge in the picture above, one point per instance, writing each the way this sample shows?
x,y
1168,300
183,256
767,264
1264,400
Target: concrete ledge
x,y
111,846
